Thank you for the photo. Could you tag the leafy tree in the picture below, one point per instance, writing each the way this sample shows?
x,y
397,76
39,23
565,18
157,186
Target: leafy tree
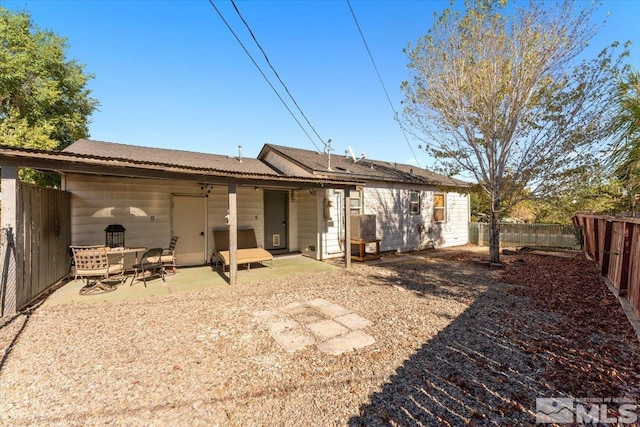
x,y
625,154
523,211
591,191
44,99
498,92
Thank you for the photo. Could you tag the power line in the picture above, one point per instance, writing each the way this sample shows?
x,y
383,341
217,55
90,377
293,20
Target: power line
x,y
274,70
263,74
395,114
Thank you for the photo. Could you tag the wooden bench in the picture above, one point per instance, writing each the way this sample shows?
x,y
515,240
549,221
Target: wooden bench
x,y
248,250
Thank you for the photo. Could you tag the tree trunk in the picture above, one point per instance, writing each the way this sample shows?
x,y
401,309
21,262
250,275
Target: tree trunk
x,y
494,236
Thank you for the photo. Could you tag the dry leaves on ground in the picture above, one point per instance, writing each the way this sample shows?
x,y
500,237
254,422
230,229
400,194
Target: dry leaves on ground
x,y
590,346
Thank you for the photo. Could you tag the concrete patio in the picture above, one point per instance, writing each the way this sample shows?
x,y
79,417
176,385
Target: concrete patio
x,y
190,279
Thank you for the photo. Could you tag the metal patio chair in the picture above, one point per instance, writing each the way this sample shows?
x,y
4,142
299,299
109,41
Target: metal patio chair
x,y
92,264
169,256
150,261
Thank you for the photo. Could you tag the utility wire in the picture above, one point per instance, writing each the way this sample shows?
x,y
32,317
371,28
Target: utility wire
x,y
263,74
274,70
395,114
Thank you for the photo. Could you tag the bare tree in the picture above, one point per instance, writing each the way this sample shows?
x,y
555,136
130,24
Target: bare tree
x,y
498,92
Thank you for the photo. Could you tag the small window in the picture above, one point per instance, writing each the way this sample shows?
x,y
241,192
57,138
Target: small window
x,y
355,202
439,208
414,203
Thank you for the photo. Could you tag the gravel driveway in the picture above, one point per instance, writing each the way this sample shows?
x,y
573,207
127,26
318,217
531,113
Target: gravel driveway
x,y
445,353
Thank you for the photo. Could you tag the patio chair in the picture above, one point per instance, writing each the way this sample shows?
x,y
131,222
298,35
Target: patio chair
x,y
93,265
168,255
150,261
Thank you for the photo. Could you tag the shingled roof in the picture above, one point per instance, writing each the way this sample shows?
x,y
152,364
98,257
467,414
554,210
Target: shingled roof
x,y
161,156
105,158
365,169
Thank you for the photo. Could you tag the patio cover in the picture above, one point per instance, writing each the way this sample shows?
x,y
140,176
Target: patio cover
x,y
93,157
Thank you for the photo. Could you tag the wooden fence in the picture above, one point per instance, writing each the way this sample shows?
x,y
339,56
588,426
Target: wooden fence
x,y
614,243
39,244
519,235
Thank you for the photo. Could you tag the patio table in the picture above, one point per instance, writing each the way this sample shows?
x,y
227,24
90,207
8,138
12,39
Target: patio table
x,y
123,251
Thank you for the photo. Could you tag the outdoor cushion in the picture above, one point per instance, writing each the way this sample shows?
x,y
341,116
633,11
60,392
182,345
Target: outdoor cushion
x,y
246,256
112,269
248,250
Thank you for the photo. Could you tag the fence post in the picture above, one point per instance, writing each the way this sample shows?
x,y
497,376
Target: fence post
x,y
9,283
604,267
626,255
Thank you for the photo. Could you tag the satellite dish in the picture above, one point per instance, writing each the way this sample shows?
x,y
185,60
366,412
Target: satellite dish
x,y
352,154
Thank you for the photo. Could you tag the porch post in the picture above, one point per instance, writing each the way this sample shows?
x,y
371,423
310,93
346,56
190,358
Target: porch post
x,y
8,280
233,235
347,228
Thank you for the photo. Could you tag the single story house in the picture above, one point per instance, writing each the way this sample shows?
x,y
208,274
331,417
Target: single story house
x,y
414,208
295,200
292,198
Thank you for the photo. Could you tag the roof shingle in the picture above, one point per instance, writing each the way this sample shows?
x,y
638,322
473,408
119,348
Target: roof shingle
x,y
376,170
162,156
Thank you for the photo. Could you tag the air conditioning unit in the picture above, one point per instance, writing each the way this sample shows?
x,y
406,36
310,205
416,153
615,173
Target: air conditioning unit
x,y
363,227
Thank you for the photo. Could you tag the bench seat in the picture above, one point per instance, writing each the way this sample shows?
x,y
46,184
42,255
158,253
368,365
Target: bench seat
x,y
248,250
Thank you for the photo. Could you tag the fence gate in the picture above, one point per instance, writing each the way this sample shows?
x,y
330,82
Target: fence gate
x,y
36,254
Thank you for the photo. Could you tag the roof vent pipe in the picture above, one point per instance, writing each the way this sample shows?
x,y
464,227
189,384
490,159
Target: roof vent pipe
x,y
240,153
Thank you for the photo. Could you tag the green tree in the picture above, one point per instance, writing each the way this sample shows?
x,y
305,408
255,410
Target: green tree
x,y
498,92
625,153
592,190
44,100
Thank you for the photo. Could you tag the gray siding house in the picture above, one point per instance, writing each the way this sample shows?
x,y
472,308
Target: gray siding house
x,y
293,199
414,208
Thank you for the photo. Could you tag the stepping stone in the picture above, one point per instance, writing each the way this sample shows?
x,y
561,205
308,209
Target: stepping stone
x,y
349,342
308,316
318,302
353,321
327,329
281,326
293,341
333,310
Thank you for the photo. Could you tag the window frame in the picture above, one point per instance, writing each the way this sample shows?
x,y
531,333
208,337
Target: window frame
x,y
360,208
415,206
442,208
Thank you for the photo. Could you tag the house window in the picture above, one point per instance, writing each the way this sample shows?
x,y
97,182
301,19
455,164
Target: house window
x,y
355,202
414,203
439,208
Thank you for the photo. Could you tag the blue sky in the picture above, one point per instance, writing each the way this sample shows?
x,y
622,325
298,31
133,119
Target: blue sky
x,y
170,74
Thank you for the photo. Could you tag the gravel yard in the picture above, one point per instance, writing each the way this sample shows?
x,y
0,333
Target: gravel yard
x,y
454,345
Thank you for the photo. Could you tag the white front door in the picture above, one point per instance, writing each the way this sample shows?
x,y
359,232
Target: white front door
x,y
189,223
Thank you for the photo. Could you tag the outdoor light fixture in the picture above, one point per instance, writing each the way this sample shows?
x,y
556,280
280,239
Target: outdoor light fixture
x,y
114,236
206,189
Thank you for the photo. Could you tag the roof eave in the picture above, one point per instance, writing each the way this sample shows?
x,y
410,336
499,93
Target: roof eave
x,y
67,163
269,147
